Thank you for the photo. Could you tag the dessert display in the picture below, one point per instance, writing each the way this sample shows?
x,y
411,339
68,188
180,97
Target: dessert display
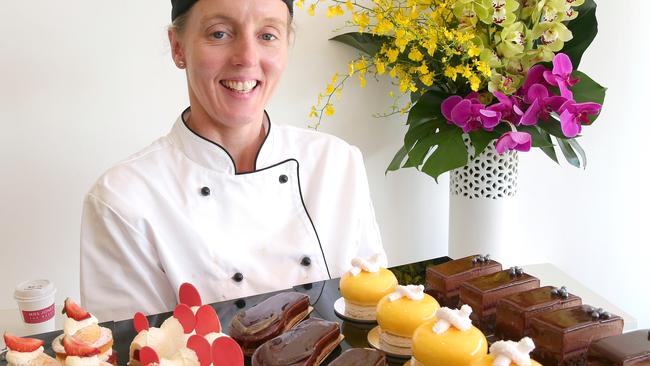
x,y
399,314
483,293
629,349
192,335
307,344
450,339
81,354
364,285
84,328
515,311
509,353
268,319
443,280
563,336
360,357
26,352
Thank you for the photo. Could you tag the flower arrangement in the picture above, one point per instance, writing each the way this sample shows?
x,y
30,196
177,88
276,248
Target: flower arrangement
x,y
486,70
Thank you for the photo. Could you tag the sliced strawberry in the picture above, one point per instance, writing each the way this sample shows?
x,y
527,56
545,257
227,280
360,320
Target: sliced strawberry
x,y
148,356
73,347
74,311
207,321
189,295
22,344
140,322
226,352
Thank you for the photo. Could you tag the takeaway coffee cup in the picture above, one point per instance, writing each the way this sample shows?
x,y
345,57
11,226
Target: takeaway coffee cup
x,y
36,305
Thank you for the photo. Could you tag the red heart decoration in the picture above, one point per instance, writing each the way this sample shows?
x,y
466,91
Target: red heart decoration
x,y
202,348
148,356
226,352
140,322
186,317
207,320
189,295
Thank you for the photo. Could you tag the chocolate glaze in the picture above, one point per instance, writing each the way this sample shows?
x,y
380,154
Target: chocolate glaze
x,y
627,349
515,311
483,293
300,346
360,357
443,280
268,319
562,336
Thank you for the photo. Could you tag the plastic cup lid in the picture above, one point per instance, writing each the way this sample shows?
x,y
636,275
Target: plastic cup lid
x,y
34,290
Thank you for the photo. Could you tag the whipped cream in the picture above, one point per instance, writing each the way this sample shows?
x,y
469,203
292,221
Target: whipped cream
x,y
166,340
22,358
507,352
84,361
71,326
413,292
458,318
368,264
184,357
210,337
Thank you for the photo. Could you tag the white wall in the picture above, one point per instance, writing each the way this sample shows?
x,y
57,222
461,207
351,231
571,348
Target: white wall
x,y
84,84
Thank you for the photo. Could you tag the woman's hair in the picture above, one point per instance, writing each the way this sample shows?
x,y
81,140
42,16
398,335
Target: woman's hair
x,y
180,24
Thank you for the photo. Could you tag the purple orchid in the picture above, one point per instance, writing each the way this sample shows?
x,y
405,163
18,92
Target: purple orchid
x,y
561,75
514,140
573,115
541,104
508,107
469,114
535,76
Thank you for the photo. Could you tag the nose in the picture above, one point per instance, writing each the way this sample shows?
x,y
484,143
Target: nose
x,y
245,52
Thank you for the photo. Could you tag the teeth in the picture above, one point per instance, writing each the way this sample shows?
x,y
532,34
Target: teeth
x,y
240,86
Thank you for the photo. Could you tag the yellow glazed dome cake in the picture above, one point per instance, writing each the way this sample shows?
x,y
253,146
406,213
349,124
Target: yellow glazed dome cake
x,y
364,285
450,339
509,353
400,313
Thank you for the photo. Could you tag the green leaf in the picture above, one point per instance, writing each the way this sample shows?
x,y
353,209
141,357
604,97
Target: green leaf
x,y
450,154
421,149
549,150
587,90
576,147
584,29
418,132
568,152
552,127
540,138
367,43
427,108
480,140
396,163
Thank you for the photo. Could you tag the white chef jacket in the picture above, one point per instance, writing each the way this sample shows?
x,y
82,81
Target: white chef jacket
x,y
177,212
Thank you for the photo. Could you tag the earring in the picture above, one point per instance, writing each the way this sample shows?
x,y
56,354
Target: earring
x,y
181,64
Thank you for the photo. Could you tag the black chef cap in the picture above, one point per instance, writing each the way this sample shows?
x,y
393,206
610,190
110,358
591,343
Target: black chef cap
x,y
179,7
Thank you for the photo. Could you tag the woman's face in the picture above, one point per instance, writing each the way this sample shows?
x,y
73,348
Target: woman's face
x,y
235,52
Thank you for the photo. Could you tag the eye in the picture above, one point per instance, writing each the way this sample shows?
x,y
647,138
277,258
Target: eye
x,y
268,37
218,35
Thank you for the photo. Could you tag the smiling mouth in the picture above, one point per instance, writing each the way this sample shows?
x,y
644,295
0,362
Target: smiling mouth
x,y
241,87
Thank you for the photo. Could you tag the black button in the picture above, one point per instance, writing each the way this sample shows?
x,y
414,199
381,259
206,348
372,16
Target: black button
x,y
205,191
283,179
306,261
238,277
241,303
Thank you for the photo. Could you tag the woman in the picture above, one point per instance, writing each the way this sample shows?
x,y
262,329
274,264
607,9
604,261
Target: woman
x,y
227,200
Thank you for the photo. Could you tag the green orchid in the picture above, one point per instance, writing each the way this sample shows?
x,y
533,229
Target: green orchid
x,y
513,40
468,12
553,35
503,12
507,84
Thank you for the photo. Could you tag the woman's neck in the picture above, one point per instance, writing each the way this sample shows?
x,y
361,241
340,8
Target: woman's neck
x,y
242,142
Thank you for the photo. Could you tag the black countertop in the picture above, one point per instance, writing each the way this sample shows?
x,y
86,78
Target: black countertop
x,y
322,297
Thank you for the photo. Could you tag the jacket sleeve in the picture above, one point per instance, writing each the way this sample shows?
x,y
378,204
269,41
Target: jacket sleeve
x,y
369,236
120,270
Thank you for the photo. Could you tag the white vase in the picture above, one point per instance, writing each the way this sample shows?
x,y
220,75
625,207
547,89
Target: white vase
x,y
481,196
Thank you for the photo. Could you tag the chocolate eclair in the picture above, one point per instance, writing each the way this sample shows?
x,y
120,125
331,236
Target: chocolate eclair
x,y
305,345
360,357
268,319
